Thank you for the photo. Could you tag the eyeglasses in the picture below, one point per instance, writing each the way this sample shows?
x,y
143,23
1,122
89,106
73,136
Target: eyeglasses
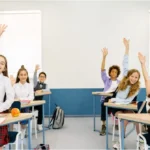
x,y
42,76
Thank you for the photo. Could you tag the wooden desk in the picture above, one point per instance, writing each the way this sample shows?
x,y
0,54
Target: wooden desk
x,y
139,118
94,99
43,93
21,117
102,94
118,106
33,104
122,106
49,103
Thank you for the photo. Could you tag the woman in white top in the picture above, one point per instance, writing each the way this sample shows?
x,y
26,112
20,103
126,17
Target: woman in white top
x,y
23,91
6,98
6,93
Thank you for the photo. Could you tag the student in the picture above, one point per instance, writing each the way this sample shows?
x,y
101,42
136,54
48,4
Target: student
x,y
6,98
39,87
127,91
23,91
110,83
6,93
146,108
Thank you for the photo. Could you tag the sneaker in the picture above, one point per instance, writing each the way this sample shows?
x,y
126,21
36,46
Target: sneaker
x,y
116,146
141,146
40,128
103,130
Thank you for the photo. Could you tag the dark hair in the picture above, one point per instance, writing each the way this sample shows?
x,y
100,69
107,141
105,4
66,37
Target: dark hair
x,y
5,72
22,69
114,67
42,73
148,95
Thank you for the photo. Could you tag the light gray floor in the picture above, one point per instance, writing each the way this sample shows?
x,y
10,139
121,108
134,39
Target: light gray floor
x,y
78,133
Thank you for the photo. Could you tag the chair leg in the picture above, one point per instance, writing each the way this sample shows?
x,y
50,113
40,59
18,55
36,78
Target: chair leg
x,y
137,143
21,144
17,140
113,135
35,127
119,125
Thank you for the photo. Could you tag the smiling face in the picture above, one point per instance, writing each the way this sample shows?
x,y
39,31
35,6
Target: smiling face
x,y
134,77
42,77
3,65
23,76
114,73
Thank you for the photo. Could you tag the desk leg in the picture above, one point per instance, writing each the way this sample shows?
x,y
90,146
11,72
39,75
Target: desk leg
x,y
122,134
43,126
94,111
29,134
49,99
106,127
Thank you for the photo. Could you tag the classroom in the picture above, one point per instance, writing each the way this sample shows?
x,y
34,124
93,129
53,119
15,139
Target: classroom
x,y
74,74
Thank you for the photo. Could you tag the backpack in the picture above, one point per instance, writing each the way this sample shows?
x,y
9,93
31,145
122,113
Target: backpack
x,y
58,117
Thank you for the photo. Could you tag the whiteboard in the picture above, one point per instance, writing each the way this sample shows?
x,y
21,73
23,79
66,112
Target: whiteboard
x,y
21,42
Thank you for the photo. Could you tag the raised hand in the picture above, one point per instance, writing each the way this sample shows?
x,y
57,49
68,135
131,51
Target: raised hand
x,y
105,52
142,58
126,43
37,67
12,80
2,28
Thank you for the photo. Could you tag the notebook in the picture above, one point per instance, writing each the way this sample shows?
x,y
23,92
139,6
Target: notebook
x,y
2,119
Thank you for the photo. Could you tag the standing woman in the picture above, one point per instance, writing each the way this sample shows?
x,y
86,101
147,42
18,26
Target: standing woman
x,y
6,94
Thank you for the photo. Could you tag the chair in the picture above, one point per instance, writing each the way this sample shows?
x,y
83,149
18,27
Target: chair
x,y
34,114
14,135
146,146
115,118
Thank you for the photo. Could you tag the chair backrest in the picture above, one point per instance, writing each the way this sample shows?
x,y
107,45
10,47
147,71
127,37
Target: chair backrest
x,y
135,99
16,104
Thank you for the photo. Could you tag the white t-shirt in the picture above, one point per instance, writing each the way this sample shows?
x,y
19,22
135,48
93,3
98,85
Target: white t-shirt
x,y
113,87
5,87
23,91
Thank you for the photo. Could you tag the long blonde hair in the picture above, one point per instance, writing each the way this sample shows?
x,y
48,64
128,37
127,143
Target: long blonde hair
x,y
125,82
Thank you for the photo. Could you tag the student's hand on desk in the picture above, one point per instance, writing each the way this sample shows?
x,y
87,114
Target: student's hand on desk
x,y
37,67
126,43
142,58
105,52
39,91
2,28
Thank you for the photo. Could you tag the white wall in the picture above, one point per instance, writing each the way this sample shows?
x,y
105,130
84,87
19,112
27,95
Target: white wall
x,y
22,38
74,33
